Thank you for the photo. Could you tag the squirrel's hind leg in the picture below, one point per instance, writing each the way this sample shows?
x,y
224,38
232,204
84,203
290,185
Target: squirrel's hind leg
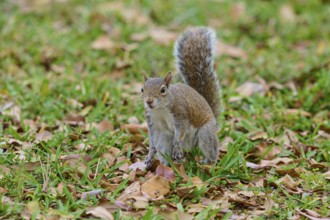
x,y
208,142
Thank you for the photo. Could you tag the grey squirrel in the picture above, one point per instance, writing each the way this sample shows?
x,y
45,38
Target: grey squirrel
x,y
183,115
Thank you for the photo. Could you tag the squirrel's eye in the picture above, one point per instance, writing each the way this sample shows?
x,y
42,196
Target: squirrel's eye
x,y
142,90
163,90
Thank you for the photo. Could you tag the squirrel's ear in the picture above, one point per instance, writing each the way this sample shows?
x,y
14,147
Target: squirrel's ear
x,y
145,76
168,79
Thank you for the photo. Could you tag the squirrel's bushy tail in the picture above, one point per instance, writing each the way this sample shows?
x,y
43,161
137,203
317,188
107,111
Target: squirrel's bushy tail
x,y
194,54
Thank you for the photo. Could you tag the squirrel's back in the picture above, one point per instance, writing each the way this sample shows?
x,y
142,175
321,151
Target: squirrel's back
x,y
194,54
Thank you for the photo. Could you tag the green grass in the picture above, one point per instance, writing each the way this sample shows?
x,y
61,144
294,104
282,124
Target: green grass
x,y
48,71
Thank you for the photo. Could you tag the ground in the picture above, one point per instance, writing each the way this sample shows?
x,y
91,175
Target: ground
x,y
72,131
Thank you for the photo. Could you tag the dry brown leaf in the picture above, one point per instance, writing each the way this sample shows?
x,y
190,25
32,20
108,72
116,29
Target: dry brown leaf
x,y
103,43
74,119
315,164
3,190
33,125
249,194
6,106
269,163
297,112
176,215
225,143
327,174
237,10
138,165
185,191
76,161
262,149
155,187
129,14
196,181
250,89
133,120
31,209
162,36
88,195
288,182
31,166
12,111
139,202
139,37
276,161
232,51
287,14
195,208
85,111
134,128
166,172
135,187
104,125
258,135
311,215
269,203
100,212
294,172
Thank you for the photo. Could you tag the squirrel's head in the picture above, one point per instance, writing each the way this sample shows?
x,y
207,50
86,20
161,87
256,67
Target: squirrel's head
x,y
155,91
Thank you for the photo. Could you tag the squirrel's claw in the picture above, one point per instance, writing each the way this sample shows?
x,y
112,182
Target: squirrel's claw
x,y
177,154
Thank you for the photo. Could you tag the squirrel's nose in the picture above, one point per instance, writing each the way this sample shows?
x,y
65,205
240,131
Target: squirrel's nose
x,y
149,101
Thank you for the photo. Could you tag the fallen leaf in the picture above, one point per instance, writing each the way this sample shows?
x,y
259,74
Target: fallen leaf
x,y
225,143
162,36
265,150
3,190
138,165
135,128
258,135
176,215
86,110
103,43
185,191
129,14
237,10
310,216
297,112
155,187
288,182
229,50
133,120
246,193
327,174
165,172
88,195
74,119
104,125
251,88
31,209
269,203
269,163
139,37
287,14
291,172
100,212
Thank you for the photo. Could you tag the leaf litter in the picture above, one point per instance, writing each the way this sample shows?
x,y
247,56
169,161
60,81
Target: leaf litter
x,y
114,173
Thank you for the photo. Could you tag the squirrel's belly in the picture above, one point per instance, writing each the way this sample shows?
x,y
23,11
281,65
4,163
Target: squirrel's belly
x,y
162,120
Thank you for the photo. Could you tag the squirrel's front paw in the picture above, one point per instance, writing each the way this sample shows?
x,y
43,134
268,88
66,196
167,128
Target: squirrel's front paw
x,y
177,154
